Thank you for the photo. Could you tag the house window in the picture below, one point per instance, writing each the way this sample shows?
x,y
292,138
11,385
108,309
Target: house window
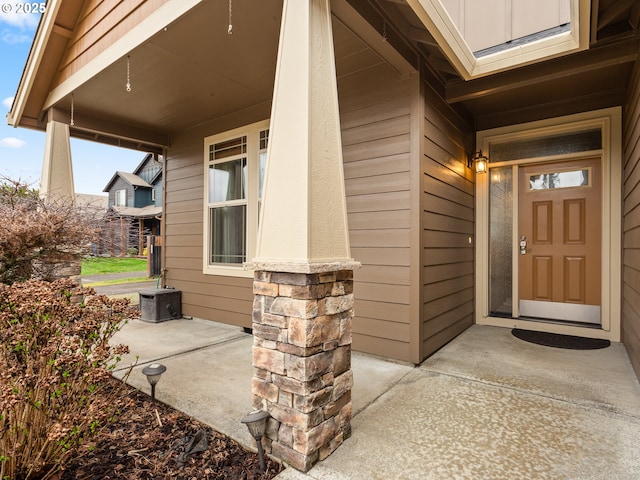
x,y
121,198
262,159
234,171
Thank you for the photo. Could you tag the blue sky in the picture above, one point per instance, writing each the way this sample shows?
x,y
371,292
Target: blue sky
x,y
22,150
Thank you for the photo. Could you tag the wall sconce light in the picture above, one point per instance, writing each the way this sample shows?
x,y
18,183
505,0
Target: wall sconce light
x,y
153,373
480,160
256,422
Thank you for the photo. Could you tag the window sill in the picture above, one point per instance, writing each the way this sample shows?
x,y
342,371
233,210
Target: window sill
x,y
228,271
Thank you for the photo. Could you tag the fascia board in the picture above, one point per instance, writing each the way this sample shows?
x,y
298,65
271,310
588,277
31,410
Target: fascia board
x,y
435,18
41,39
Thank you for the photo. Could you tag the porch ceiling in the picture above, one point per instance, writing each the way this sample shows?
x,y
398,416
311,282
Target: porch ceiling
x,y
193,71
188,73
581,81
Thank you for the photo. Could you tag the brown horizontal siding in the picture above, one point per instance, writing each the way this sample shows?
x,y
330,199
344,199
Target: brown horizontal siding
x,y
392,237
631,224
392,312
375,120
382,292
392,256
212,297
441,256
447,223
379,202
100,24
377,166
379,219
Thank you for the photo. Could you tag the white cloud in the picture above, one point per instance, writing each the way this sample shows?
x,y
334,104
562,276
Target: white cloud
x,y
7,102
12,142
12,38
20,14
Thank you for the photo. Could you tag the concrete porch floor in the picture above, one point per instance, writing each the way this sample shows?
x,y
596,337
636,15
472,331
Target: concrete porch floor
x,y
486,406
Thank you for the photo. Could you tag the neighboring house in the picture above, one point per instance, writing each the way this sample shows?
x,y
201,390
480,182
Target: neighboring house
x,y
135,205
441,247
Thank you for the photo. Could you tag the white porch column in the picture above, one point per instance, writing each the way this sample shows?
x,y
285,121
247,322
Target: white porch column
x,y
303,283
304,214
57,171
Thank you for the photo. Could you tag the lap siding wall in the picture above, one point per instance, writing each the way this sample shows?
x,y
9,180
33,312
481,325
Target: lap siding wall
x,y
376,137
447,219
631,224
404,309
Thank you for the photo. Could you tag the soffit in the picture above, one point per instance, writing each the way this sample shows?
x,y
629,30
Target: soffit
x,y
590,83
187,74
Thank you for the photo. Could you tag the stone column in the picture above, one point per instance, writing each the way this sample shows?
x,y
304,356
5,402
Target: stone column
x,y
303,283
302,362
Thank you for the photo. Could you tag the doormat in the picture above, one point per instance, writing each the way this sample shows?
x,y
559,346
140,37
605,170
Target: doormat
x,y
560,341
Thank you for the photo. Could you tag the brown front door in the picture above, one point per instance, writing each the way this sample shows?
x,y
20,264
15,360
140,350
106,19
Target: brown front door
x,y
560,218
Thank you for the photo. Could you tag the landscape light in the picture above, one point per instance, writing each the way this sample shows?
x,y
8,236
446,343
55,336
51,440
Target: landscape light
x,y
256,422
153,373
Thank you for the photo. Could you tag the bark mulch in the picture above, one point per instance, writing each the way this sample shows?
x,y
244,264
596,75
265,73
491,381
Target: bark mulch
x,y
150,440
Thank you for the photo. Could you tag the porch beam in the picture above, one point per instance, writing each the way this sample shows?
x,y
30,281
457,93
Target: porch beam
x,y
104,131
540,111
577,63
62,31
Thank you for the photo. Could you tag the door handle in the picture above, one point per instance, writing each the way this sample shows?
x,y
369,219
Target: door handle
x,y
523,245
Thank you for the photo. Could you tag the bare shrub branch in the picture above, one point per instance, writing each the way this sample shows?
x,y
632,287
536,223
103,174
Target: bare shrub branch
x,y
55,359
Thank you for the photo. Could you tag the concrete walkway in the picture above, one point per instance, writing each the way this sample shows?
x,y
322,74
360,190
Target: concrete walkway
x,y
128,288
486,406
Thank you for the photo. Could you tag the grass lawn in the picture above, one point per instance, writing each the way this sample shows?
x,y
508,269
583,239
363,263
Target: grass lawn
x,y
98,265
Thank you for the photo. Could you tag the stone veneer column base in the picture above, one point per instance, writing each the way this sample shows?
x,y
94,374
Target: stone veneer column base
x,y
302,362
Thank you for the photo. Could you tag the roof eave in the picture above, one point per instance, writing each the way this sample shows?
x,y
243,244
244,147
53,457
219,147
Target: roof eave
x,y
36,54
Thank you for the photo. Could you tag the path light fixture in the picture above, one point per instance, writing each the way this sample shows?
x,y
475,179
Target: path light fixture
x,y
153,373
480,160
256,422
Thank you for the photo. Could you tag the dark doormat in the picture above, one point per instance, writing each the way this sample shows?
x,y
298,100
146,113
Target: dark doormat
x,y
560,341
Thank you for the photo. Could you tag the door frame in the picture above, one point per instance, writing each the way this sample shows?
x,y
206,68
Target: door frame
x,y
610,122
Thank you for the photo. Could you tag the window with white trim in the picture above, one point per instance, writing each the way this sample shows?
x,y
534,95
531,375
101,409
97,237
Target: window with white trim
x,y
234,172
121,198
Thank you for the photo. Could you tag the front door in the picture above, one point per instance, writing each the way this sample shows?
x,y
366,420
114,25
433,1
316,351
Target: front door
x,y
559,240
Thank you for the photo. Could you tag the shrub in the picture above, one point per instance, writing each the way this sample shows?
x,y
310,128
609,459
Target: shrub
x,y
37,235
55,360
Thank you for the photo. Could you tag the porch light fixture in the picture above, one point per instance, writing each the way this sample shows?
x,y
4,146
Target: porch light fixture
x,y
256,422
153,373
480,160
